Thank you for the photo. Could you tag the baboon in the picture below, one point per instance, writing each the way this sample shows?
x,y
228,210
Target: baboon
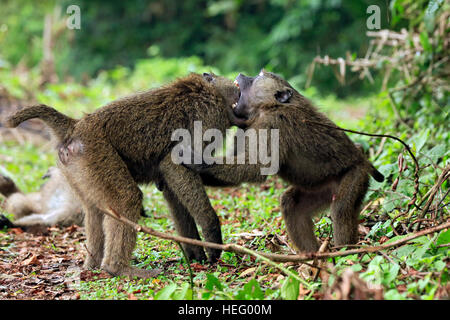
x,y
322,165
107,153
53,205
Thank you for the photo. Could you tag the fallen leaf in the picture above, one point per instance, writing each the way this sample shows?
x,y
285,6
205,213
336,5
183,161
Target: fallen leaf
x,y
16,230
33,260
198,267
248,272
383,239
132,296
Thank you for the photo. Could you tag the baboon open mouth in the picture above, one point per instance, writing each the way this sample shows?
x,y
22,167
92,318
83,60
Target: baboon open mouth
x,y
236,83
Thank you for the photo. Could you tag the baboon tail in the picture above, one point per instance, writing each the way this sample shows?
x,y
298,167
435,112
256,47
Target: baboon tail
x,y
377,175
58,122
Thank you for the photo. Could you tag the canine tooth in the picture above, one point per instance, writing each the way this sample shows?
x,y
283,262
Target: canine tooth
x,y
236,83
234,105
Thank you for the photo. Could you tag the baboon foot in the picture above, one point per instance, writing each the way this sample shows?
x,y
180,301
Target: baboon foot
x,y
91,264
5,222
213,255
134,272
195,253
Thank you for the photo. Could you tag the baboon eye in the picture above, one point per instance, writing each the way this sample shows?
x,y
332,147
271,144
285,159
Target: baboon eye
x,y
283,96
208,77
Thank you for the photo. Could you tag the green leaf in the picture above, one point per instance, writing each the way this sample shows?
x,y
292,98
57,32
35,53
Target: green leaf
x,y
391,274
444,237
356,267
290,289
393,294
396,238
425,42
212,282
166,293
250,291
421,139
184,294
439,265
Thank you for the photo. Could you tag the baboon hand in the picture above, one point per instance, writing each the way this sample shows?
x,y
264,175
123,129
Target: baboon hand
x,y
199,168
5,222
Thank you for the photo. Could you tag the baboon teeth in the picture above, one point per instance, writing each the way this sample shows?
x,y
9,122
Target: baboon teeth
x,y
234,105
236,83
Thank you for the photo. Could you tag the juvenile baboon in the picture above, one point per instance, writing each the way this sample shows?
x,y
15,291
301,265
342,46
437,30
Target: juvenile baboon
x,y
53,205
107,153
322,165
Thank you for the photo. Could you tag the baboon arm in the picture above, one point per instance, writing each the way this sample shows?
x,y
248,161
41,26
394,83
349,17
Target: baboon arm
x,y
61,218
242,164
227,175
187,190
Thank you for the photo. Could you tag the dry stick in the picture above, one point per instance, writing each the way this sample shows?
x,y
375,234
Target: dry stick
x,y
442,178
225,247
273,257
416,164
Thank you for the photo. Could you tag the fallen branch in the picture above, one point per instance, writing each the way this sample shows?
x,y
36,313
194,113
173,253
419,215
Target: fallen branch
x,y
273,257
442,178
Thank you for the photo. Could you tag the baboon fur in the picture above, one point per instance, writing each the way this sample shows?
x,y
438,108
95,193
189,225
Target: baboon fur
x,y
107,153
323,166
53,205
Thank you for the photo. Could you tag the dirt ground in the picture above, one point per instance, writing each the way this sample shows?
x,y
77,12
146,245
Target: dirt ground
x,y
42,266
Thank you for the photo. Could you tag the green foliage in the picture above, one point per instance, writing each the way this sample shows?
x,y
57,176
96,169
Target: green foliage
x,y
281,35
290,289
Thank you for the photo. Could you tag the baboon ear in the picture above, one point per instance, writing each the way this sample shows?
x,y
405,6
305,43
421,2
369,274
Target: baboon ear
x,y
284,95
208,76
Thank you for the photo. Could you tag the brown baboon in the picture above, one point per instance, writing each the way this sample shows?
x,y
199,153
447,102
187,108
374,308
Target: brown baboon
x,y
107,153
322,165
53,205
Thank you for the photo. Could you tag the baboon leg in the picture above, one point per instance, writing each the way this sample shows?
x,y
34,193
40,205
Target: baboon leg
x,y
346,205
298,208
95,238
185,225
105,181
188,188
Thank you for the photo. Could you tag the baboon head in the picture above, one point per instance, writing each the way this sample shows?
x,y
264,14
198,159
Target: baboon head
x,y
7,186
266,89
225,86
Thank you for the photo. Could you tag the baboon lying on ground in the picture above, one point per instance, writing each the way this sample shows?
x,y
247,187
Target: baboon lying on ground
x,y
107,153
322,165
53,205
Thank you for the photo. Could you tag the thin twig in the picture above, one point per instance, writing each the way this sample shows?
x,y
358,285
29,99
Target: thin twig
x,y
442,178
416,163
191,273
273,257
